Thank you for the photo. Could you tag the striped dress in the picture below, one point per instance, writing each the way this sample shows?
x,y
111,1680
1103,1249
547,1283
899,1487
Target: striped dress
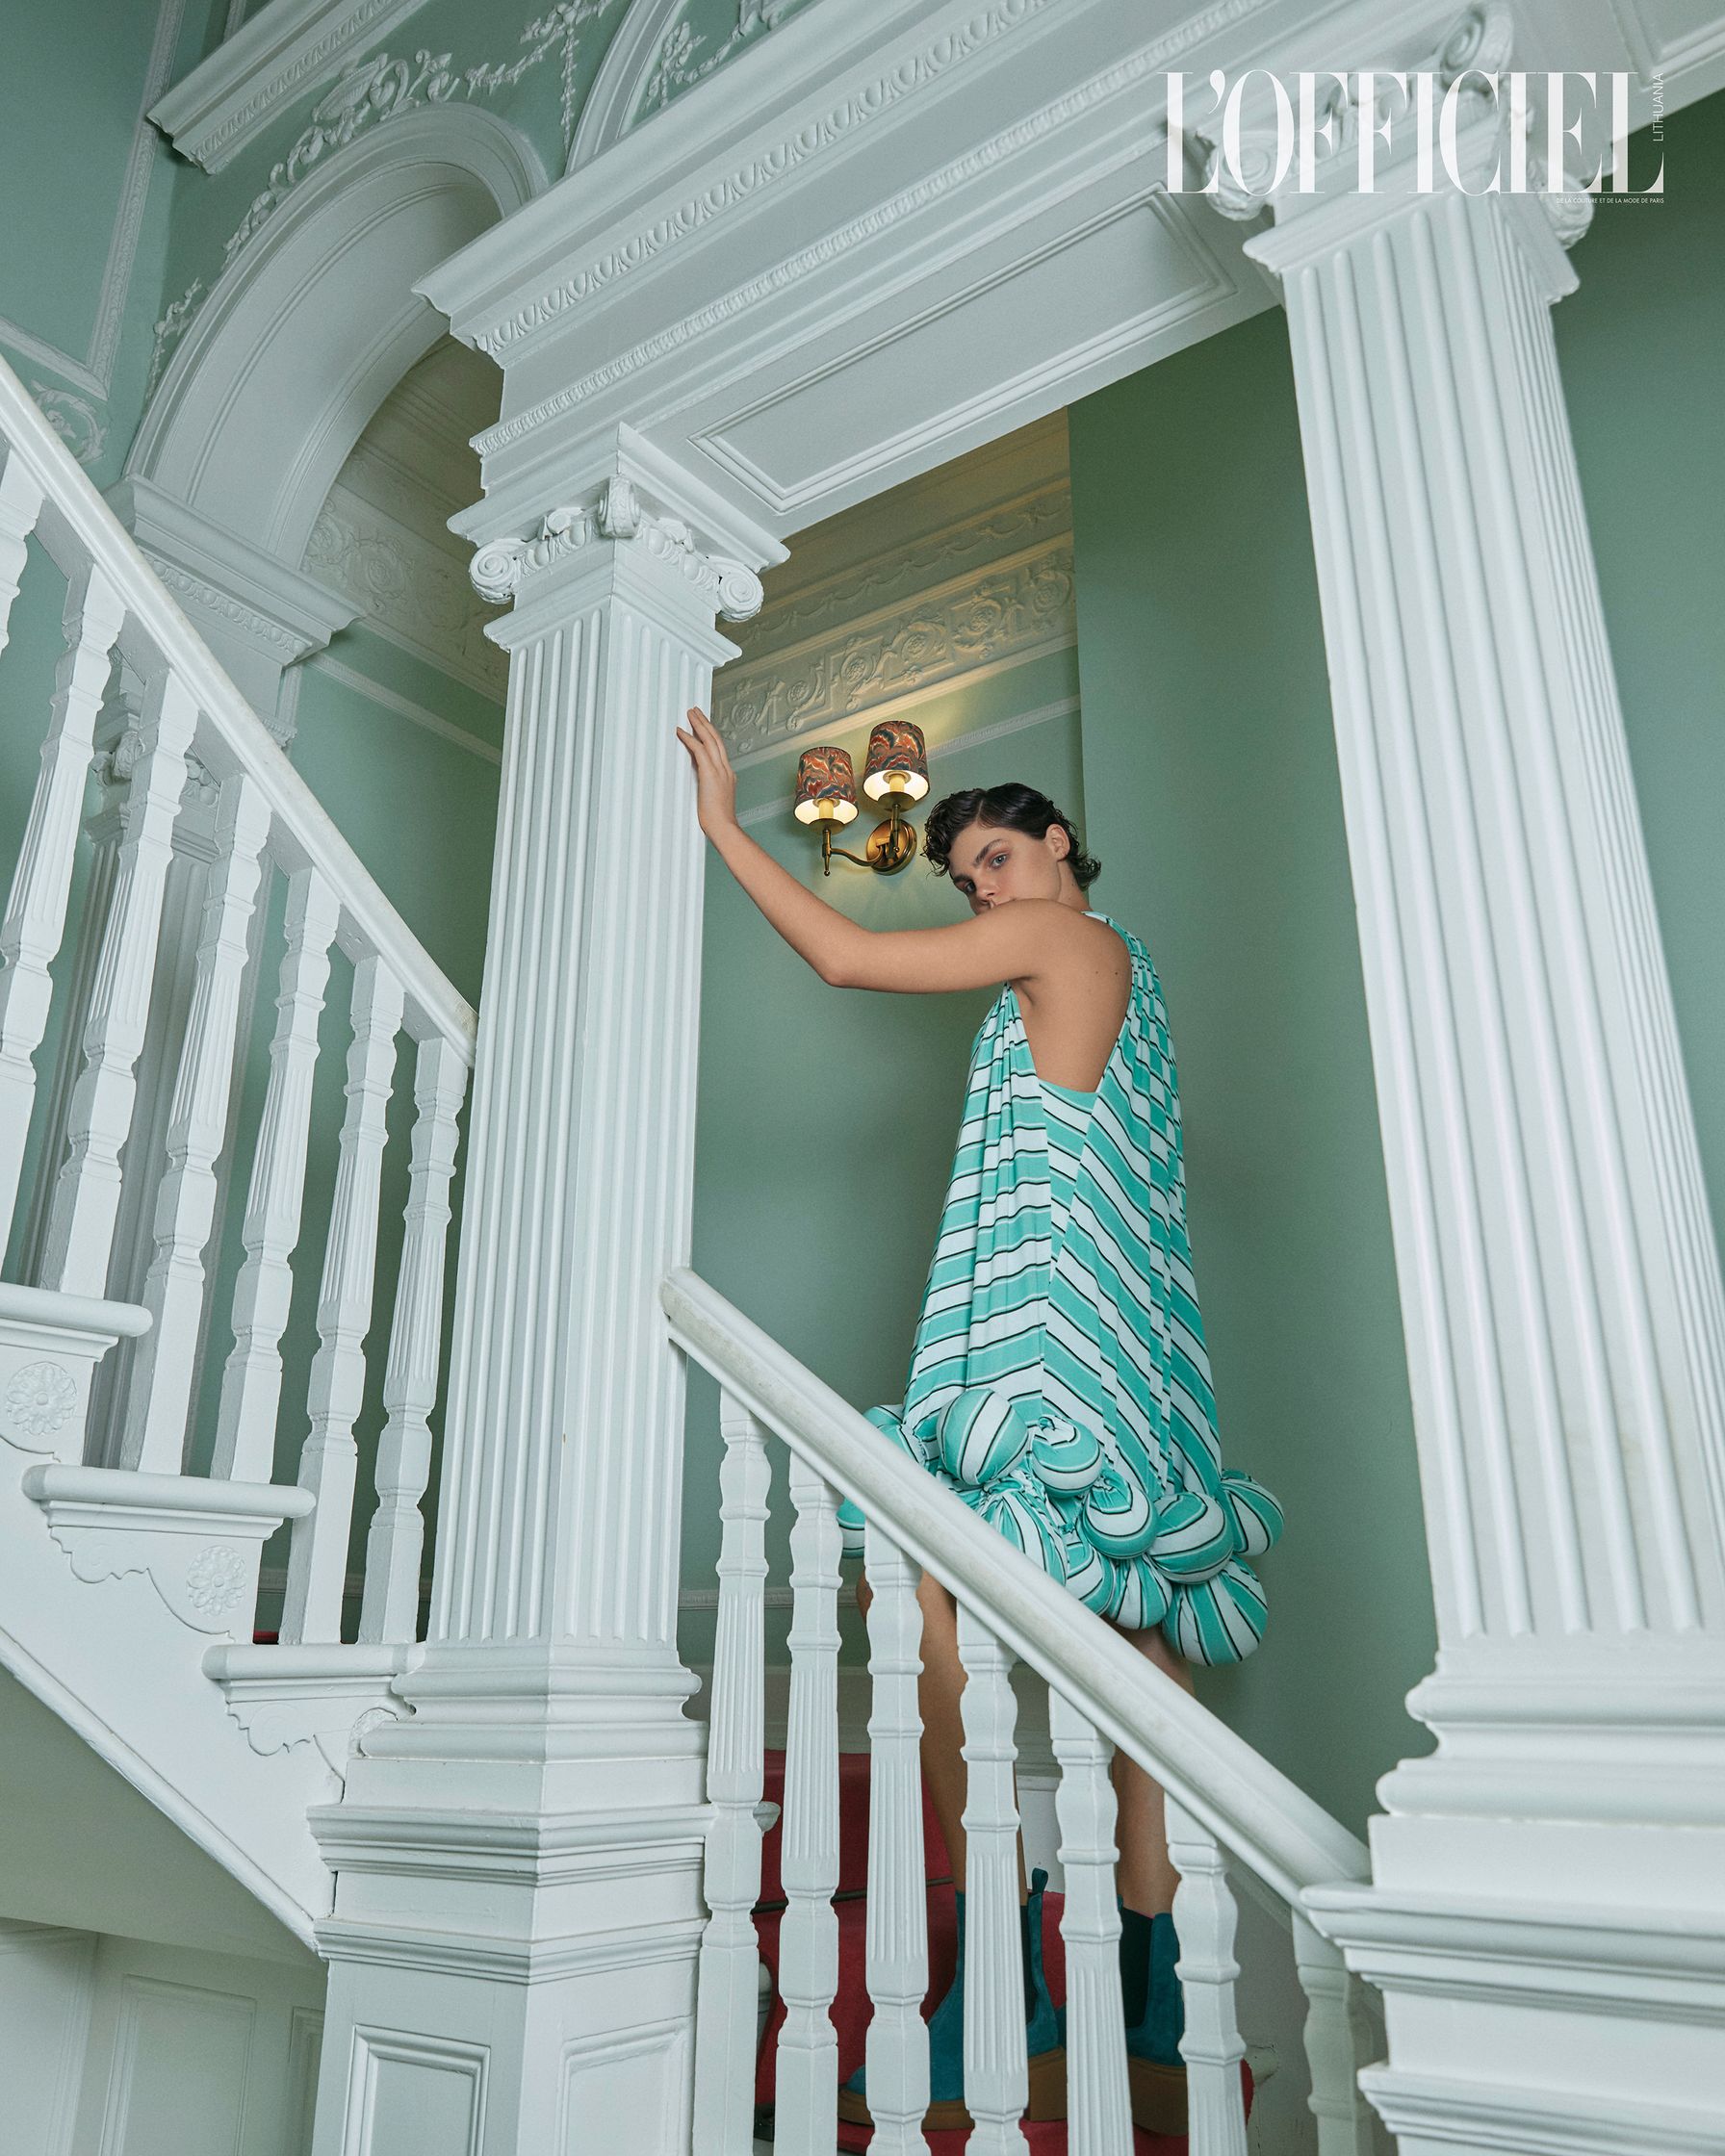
x,y
1059,1381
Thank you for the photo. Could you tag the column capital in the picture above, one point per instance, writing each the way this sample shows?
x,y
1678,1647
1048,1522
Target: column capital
x,y
1376,151
629,495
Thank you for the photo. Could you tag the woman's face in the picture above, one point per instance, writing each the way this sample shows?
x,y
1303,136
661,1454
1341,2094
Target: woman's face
x,y
991,867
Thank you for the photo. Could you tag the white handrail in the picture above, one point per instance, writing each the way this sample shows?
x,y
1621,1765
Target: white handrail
x,y
1251,1807
310,837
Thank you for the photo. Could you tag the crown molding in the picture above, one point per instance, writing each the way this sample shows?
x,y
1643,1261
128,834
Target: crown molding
x,y
288,49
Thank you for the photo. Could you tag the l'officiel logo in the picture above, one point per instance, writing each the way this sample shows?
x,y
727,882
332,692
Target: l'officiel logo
x,y
1370,116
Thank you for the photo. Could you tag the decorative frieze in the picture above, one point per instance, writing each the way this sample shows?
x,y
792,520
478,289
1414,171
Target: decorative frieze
x,y
407,586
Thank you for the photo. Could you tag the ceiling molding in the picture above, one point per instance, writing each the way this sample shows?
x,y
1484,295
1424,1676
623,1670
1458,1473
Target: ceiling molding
x,y
288,49
404,707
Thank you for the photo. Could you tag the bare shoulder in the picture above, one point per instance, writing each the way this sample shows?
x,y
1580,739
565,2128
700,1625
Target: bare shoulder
x,y
1061,938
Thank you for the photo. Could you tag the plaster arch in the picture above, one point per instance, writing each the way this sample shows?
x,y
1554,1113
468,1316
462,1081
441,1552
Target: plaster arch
x,y
610,104
317,320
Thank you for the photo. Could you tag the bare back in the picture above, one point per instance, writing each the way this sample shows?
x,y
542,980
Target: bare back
x,y
1074,1009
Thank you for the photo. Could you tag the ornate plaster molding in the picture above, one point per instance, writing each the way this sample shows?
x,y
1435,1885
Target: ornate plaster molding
x,y
788,155
501,566
257,628
840,123
1007,613
1478,43
284,52
406,586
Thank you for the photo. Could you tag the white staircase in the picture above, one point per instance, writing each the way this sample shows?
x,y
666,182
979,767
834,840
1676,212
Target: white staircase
x,y
129,1585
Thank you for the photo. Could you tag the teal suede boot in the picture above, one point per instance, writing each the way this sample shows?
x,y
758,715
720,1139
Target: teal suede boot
x,y
946,2110
1155,2017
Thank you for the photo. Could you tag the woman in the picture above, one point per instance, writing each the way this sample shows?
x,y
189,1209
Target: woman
x,y
1059,1381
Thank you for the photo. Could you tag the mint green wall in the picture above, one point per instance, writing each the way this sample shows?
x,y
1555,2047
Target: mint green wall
x,y
1642,345
827,1116
1210,769
71,97
1209,761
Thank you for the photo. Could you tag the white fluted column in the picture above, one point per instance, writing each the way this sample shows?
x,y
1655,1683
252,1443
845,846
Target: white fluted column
x,y
548,1741
1559,1278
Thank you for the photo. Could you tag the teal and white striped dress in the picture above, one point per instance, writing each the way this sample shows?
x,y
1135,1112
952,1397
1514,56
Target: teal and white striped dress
x,y
1059,1381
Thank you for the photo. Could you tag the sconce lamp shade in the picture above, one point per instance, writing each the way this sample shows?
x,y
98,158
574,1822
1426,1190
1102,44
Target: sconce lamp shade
x,y
826,788
898,761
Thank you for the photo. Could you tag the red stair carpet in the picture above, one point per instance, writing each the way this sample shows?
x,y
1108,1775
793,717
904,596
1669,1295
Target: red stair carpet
x,y
851,2007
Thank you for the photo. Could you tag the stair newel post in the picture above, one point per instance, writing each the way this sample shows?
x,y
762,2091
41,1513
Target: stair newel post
x,y
160,1400
34,920
394,1543
996,2077
728,1980
896,1937
549,1735
251,1380
1212,2046
1098,2101
806,2077
1339,2040
87,1193
20,504
318,1555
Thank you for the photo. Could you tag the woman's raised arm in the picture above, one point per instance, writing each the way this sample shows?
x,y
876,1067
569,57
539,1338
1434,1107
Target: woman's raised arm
x,y
1008,943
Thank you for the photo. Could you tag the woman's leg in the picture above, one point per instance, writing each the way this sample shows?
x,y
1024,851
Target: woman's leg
x,y
942,1730
1145,1878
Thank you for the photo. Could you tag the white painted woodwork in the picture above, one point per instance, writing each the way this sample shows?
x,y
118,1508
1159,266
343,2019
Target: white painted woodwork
x,y
1559,1280
896,1935
166,1358
728,1976
805,2068
251,1379
394,1543
318,1558
20,504
1099,2100
35,920
87,1195
1339,2040
996,2079
1212,2046
581,1157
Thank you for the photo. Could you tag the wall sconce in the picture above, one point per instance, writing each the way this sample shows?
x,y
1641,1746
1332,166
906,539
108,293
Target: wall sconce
x,y
896,773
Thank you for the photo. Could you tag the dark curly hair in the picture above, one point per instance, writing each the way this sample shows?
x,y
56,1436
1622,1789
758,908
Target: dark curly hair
x,y
1008,807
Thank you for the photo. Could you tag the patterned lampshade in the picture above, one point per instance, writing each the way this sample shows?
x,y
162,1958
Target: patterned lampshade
x,y
898,761
826,788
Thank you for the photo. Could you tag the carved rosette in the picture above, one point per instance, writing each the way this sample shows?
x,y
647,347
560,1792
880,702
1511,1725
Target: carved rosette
x,y
619,517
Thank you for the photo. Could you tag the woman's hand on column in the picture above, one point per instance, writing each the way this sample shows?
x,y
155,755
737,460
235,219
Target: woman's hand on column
x,y
715,782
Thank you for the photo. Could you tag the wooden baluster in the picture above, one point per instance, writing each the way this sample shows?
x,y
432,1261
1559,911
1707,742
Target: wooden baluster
x,y
1339,2040
896,1945
20,504
996,2079
1098,2101
251,1382
34,920
727,1996
318,1555
86,1194
1212,2047
159,1404
395,1542
806,2078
